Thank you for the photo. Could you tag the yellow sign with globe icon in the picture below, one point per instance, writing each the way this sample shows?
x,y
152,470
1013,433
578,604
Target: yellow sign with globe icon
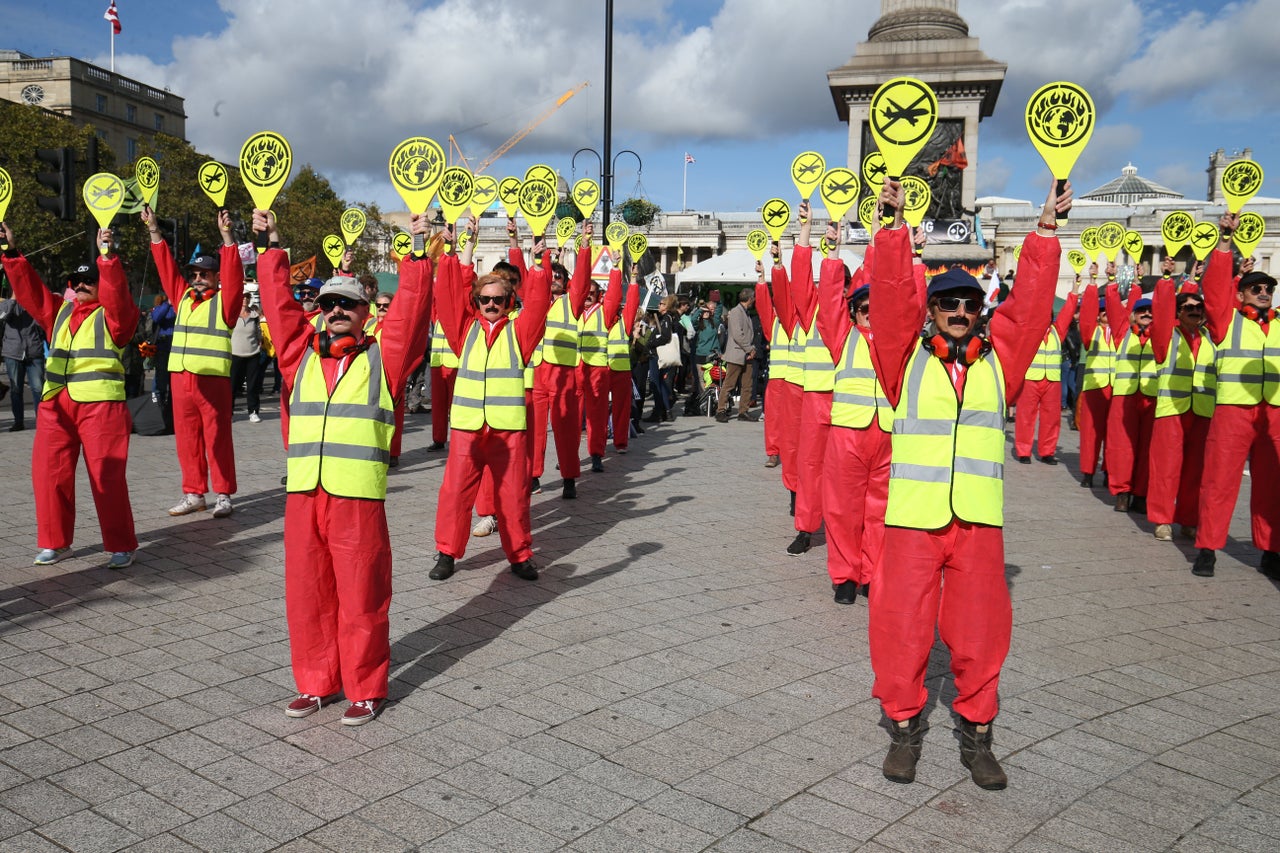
x,y
757,241
537,203
616,236
147,173
916,198
1249,233
1240,182
564,231
265,163
1060,119
352,222
103,195
1089,242
455,191
1175,229
416,166
1078,260
637,245
867,212
6,193
1110,236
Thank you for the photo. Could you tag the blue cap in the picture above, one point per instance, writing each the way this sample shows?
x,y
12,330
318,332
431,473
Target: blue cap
x,y
1144,302
1102,304
865,290
313,283
953,279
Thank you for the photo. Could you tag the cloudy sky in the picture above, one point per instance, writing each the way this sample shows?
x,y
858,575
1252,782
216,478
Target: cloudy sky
x,y
739,84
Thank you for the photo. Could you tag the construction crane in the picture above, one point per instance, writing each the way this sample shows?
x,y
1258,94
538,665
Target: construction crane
x,y
521,134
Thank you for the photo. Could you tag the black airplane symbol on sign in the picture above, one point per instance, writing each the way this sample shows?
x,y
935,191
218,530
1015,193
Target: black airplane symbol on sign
x,y
878,169
482,193
1204,232
1134,242
911,114
841,187
586,194
333,245
805,169
775,215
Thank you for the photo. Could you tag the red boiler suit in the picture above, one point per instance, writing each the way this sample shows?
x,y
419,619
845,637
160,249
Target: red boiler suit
x,y
1238,432
815,406
202,404
337,550
952,578
555,386
64,427
1092,404
502,453
620,381
1041,398
783,391
596,380
1130,417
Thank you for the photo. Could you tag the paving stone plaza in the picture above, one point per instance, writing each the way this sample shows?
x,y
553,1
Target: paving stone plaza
x,y
673,682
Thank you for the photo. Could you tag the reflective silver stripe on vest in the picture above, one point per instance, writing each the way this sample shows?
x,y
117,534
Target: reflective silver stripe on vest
x,y
979,467
919,473
98,350
372,410
300,450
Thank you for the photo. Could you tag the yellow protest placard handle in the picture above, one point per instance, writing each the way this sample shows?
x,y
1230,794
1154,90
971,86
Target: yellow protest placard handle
x,y
6,195
757,242
147,172
839,192
265,163
103,195
416,167
1175,229
1078,260
1249,233
213,180
1204,239
352,223
616,236
1060,118
1133,246
776,214
537,203
1240,182
806,172
334,249
902,117
916,200
586,197
455,192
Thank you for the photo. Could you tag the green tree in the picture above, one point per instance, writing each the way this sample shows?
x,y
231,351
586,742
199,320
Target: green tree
x,y
308,209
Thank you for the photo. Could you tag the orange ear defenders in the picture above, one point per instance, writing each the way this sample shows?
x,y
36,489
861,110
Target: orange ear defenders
x,y
1253,313
329,345
967,350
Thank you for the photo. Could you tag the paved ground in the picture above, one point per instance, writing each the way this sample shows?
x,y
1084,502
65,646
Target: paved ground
x,y
674,681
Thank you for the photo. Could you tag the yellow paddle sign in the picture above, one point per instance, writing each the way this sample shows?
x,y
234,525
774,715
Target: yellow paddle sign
x,y
1089,242
1133,246
212,177
483,194
916,197
147,171
757,241
401,245
334,249
1078,260
537,203
825,246
636,245
540,172
509,195
586,197
1110,236
1060,119
1176,231
839,192
455,191
866,212
806,172
104,195
776,214
904,112
265,163
352,223
1247,236
616,236
1241,182
1017,253
416,166
1204,239
873,171
6,193
564,231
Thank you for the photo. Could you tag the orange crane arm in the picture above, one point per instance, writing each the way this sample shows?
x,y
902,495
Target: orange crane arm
x,y
529,128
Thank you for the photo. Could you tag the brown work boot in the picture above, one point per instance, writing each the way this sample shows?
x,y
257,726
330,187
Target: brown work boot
x,y
900,764
975,753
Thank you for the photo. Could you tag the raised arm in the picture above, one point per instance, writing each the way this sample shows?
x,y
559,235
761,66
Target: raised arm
x,y
171,279
28,289
1217,285
612,301
290,331
631,306
118,307
833,311
764,303
407,326
531,322
231,275
580,279
803,295
1088,314
1164,315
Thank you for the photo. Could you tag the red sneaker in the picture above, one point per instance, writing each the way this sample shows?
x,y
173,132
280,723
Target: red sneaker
x,y
362,712
306,705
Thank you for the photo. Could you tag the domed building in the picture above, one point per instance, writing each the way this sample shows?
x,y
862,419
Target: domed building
x,y
1129,188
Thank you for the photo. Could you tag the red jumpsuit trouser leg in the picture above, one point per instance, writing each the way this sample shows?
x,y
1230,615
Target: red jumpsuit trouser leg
x,y
63,429
1041,401
1264,497
855,490
595,390
1177,462
620,407
1237,433
815,423
1092,408
442,379
952,578
1123,425
774,422
504,452
202,432
337,590
1142,451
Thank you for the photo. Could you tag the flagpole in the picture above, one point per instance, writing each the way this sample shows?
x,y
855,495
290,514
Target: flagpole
x,y
684,199
113,45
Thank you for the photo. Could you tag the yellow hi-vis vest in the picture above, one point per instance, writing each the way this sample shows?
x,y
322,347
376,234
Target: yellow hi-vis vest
x,y
819,369
1099,361
593,337
201,340
442,354
490,384
782,359
87,363
618,347
1135,367
341,442
1249,364
948,454
1048,360
560,342
858,397
1186,382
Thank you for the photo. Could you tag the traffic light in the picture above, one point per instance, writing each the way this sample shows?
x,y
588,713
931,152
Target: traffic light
x,y
61,181
169,233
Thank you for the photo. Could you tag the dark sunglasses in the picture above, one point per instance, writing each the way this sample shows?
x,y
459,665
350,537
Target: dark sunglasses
x,y
346,303
972,304
1259,289
383,306
199,273
1192,306
485,299
862,309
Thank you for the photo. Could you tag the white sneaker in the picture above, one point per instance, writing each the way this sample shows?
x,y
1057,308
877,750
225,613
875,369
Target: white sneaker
x,y
254,418
190,503
120,560
486,525
222,506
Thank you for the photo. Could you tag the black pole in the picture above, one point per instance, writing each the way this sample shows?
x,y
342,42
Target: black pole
x,y
606,178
